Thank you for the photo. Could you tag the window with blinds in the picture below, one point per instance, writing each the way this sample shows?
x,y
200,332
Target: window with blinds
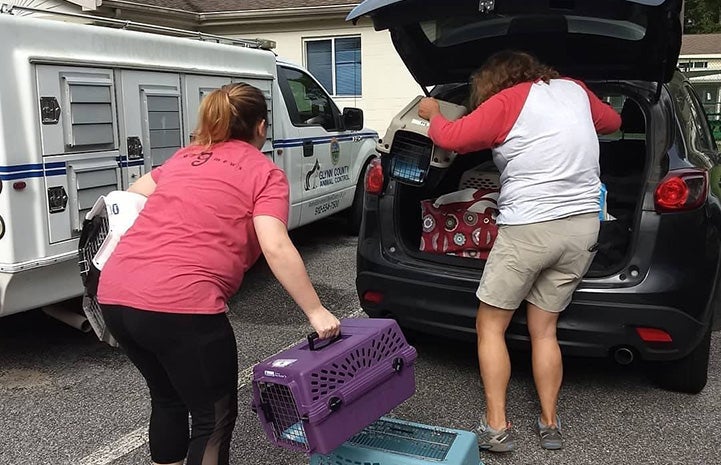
x,y
336,63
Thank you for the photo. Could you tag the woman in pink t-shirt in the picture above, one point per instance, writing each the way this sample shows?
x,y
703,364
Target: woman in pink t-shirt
x,y
212,209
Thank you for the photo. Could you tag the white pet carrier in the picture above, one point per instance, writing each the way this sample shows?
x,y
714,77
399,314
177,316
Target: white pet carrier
x,y
111,216
412,152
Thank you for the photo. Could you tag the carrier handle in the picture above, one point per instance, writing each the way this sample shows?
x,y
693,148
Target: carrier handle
x,y
314,335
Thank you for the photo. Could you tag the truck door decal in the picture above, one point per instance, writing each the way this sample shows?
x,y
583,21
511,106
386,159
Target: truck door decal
x,y
311,178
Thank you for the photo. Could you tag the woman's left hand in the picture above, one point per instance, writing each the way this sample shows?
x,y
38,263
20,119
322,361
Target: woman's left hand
x,y
428,108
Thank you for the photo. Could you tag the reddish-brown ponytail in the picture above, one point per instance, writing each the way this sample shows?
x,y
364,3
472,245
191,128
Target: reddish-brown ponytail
x,y
231,112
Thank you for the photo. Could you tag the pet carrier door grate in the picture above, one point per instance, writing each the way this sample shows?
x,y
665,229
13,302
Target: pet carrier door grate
x,y
94,233
279,407
96,237
415,441
326,380
411,155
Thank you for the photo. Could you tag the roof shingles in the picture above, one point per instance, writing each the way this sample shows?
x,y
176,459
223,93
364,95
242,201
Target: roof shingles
x,y
701,44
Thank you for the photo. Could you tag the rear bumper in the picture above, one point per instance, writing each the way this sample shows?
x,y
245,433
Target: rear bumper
x,y
40,286
592,326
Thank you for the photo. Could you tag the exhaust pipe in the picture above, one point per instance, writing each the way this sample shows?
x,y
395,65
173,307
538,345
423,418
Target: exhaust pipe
x,y
623,356
69,317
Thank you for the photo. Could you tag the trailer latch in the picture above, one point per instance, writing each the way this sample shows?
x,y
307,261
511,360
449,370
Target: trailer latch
x,y
57,199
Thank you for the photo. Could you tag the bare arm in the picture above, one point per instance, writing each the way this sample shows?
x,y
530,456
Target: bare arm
x,y
144,186
287,265
485,127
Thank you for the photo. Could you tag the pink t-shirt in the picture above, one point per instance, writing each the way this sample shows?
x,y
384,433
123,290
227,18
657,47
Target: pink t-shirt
x,y
191,245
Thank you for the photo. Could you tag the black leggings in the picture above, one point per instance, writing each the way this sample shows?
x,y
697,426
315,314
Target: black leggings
x,y
190,363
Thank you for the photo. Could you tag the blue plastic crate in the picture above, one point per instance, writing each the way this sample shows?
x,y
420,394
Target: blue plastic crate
x,y
390,441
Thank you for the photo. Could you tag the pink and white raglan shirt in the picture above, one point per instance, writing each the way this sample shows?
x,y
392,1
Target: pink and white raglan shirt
x,y
544,143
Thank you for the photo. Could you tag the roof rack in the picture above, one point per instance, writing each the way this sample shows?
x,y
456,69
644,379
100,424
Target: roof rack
x,y
263,44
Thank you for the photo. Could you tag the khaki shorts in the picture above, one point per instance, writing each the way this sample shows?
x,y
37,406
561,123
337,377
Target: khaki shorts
x,y
541,263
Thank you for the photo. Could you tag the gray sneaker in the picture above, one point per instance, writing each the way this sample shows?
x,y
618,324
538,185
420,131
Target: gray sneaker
x,y
551,437
495,440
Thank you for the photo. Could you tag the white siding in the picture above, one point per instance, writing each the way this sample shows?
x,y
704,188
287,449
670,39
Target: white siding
x,y
48,5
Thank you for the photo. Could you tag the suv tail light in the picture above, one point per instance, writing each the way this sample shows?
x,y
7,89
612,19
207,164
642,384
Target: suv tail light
x,y
373,297
653,335
374,177
682,190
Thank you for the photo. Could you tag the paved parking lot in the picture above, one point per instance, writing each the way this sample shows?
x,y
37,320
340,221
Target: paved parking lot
x,y
67,399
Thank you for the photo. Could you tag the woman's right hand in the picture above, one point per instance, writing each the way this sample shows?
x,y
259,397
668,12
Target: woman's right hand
x,y
324,323
428,108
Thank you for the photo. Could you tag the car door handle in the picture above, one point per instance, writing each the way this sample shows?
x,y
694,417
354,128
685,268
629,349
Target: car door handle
x,y
308,150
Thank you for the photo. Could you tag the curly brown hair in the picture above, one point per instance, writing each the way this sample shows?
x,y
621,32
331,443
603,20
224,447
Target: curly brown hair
x,y
506,69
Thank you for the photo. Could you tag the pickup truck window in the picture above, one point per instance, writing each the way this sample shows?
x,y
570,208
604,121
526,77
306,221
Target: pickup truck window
x,y
307,102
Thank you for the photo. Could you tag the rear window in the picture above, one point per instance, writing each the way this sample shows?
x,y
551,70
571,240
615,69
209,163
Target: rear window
x,y
449,32
633,121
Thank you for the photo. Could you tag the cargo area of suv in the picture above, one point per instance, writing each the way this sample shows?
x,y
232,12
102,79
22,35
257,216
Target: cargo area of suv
x,y
652,290
623,169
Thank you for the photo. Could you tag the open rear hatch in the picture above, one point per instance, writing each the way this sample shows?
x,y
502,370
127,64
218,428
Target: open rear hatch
x,y
444,42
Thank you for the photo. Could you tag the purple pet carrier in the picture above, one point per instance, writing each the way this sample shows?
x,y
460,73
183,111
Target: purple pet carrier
x,y
318,394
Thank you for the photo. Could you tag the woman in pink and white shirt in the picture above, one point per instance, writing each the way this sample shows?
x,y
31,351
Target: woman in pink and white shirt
x,y
542,130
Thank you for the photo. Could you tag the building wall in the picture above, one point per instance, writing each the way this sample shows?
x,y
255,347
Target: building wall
x,y
704,72
387,84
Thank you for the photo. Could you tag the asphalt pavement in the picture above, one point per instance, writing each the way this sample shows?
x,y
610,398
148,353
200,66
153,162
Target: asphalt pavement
x,y
67,399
